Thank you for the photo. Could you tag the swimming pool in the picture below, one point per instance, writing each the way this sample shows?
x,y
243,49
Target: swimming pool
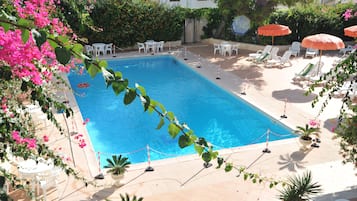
x,y
213,113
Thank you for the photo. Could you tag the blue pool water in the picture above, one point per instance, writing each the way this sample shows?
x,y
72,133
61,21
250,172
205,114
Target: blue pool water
x,y
213,113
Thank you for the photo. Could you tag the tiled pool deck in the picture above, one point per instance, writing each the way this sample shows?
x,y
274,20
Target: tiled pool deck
x,y
185,178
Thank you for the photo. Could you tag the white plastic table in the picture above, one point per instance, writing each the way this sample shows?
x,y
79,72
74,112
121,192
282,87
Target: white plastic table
x,y
151,45
226,48
29,169
98,48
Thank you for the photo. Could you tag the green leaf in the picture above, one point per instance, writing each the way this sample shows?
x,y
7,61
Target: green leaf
x,y
103,64
77,48
141,89
171,116
40,37
119,86
129,96
24,22
161,106
220,161
245,176
64,39
173,130
199,149
147,103
214,154
52,42
206,156
161,123
62,55
229,167
25,35
118,74
92,70
271,185
184,141
6,26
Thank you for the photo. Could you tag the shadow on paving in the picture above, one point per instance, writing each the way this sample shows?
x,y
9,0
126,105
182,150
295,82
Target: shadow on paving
x,y
350,193
330,124
103,194
293,161
293,95
248,71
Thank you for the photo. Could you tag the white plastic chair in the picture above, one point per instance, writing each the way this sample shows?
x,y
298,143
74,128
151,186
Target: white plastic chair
x,y
108,48
160,46
235,48
295,48
99,49
310,52
89,49
48,182
216,49
141,47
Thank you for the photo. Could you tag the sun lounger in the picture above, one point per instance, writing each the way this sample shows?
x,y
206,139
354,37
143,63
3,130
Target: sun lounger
x,y
347,86
310,70
347,49
310,52
281,61
274,53
259,53
262,58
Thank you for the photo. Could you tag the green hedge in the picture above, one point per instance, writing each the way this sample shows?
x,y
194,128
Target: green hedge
x,y
124,23
302,20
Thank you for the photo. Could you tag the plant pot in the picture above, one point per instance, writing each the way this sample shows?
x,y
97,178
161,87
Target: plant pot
x,y
117,179
305,143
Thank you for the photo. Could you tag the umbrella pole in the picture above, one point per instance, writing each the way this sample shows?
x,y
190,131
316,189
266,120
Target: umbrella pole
x,y
318,68
272,40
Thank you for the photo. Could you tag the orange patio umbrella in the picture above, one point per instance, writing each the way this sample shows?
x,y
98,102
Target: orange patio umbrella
x,y
351,31
273,30
323,42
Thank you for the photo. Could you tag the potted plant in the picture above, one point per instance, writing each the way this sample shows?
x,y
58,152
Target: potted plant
x,y
127,198
117,166
305,134
300,188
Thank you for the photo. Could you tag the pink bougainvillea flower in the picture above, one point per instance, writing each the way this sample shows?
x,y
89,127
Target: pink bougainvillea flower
x,y
347,14
31,143
16,136
45,138
86,121
82,143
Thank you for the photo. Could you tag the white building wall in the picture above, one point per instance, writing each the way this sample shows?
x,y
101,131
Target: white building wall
x,y
190,3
